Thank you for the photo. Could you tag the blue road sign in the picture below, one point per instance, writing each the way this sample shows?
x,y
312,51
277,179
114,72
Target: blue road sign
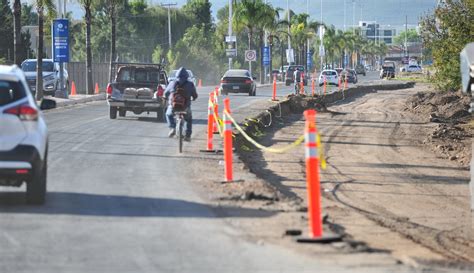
x,y
309,59
60,40
266,56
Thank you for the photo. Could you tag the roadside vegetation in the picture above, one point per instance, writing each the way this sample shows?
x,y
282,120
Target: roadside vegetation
x,y
136,31
445,33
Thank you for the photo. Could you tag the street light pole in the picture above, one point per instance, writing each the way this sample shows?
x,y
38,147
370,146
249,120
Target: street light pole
x,y
230,30
289,31
169,21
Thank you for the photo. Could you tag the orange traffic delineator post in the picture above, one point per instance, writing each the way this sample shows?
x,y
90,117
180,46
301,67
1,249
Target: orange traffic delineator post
x,y
274,88
96,90
313,185
210,124
345,83
302,84
200,83
339,84
312,87
227,142
216,110
73,89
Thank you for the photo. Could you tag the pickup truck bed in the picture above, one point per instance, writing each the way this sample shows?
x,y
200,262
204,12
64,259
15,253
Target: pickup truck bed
x,y
135,89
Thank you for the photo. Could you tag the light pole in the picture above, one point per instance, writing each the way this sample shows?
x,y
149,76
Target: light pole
x,y
169,21
289,31
230,31
344,15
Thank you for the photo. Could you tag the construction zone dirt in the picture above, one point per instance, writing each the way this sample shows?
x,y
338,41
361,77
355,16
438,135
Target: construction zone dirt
x,y
384,188
452,134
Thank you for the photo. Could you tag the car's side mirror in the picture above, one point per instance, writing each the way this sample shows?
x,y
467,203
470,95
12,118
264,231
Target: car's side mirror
x,y
47,104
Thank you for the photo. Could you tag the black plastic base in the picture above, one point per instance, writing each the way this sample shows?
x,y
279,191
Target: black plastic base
x,y
325,239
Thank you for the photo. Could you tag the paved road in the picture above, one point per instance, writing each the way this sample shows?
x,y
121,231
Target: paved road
x,y
117,203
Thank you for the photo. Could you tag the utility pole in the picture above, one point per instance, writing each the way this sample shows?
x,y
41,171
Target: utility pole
x,y
344,15
289,29
406,30
169,20
230,30
353,16
321,47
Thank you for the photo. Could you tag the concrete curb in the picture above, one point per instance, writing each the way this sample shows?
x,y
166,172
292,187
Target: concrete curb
x,y
69,102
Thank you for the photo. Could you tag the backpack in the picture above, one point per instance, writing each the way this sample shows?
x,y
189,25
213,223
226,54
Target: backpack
x,y
178,99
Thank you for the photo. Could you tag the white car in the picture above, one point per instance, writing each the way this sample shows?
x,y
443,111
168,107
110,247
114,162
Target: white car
x,y
413,68
51,78
23,136
330,76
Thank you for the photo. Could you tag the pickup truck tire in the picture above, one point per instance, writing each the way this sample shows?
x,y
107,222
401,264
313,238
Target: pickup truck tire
x,y
36,188
113,112
122,113
160,115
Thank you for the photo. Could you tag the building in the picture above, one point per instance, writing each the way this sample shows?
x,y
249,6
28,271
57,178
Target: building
x,y
378,33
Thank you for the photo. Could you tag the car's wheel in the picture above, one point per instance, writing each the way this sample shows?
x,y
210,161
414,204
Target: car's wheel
x,y
122,113
36,188
113,112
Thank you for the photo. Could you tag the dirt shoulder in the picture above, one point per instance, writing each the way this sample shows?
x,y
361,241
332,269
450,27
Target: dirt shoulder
x,y
383,186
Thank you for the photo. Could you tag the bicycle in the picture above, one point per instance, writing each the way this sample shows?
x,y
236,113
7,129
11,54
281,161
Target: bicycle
x,y
180,119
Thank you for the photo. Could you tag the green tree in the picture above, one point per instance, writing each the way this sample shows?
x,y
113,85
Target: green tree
x,y
445,33
201,12
87,6
41,7
6,30
412,36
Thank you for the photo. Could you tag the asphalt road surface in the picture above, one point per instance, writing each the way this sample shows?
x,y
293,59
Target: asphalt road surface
x,y
121,199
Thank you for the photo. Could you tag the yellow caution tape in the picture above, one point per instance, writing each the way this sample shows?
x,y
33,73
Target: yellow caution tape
x,y
293,145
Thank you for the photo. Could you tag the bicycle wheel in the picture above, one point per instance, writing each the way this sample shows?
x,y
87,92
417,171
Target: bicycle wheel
x,y
180,133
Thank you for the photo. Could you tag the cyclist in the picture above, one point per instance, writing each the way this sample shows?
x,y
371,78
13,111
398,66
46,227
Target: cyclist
x,y
297,78
189,89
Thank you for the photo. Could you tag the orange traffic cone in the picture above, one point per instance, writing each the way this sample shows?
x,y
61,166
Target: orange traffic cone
x,y
73,89
96,90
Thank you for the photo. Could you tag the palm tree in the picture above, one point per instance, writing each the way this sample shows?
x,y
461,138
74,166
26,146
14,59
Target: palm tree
x,y
41,5
111,8
87,5
253,16
17,31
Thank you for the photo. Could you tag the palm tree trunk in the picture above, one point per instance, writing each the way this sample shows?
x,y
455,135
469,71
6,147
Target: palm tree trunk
x,y
39,56
89,83
17,31
262,69
112,42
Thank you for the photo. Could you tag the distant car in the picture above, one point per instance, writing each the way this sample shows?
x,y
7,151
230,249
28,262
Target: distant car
x,y
23,136
339,71
330,76
360,69
387,72
350,74
191,78
50,76
289,73
238,81
413,68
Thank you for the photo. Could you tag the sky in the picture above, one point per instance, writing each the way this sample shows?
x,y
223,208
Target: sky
x,y
385,12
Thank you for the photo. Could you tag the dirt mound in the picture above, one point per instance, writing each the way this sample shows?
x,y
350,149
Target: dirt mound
x,y
452,137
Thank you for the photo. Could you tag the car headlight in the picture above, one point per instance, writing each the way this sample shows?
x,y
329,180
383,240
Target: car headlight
x,y
48,78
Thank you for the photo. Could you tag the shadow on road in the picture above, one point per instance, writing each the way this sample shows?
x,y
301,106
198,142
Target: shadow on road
x,y
84,204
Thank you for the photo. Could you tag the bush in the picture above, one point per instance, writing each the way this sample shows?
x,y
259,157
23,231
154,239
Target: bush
x,y
445,33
